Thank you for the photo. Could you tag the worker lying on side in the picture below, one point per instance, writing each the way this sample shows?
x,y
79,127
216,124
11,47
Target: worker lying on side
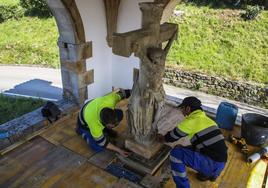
x,y
97,118
207,153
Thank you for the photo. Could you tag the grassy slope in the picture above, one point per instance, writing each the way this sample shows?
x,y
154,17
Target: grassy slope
x,y
212,41
9,2
29,41
218,42
11,108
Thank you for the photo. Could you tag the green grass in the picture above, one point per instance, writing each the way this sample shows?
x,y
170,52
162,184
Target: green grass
x,y
11,107
29,41
211,41
219,42
9,2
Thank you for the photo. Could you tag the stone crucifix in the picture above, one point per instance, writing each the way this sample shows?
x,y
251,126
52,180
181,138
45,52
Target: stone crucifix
x,y
147,99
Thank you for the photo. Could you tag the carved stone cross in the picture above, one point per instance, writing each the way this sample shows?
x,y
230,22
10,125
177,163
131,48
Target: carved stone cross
x,y
147,99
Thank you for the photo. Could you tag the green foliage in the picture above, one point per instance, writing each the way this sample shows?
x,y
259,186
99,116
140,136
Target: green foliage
x,y
29,41
218,42
36,8
11,107
9,10
251,12
9,2
228,3
213,3
199,84
255,2
212,41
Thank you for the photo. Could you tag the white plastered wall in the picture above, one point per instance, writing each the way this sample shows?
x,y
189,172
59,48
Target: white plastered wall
x,y
94,21
109,70
129,18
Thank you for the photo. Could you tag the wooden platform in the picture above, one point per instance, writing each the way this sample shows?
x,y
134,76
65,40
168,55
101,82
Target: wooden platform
x,y
59,158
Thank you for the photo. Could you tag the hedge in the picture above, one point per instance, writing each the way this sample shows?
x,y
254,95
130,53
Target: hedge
x,y
36,8
9,11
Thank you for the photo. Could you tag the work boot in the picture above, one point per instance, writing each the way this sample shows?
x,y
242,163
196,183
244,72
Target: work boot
x,y
202,177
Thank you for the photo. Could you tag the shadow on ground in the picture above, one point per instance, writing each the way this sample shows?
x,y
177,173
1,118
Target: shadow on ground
x,y
36,88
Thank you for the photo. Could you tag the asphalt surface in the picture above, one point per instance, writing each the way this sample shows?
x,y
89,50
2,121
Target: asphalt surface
x,y
46,83
33,82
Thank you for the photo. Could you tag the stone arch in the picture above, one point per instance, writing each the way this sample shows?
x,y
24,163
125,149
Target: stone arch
x,y
73,49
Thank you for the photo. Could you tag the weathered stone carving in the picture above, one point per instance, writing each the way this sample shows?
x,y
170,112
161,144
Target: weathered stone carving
x,y
164,2
147,100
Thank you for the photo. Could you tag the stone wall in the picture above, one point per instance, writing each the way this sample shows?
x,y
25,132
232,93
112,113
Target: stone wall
x,y
25,127
249,93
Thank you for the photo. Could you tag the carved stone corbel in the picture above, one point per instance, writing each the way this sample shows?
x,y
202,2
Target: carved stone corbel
x,y
111,9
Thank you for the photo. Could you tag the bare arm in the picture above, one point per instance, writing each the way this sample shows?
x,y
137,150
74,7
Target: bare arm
x,y
117,149
103,142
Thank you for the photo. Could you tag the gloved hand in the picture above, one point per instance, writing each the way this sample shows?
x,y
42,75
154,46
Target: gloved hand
x,y
125,93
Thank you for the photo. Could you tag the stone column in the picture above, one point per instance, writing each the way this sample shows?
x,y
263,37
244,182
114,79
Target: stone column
x,y
73,49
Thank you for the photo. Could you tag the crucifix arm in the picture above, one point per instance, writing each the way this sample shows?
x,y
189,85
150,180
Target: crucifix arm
x,y
170,41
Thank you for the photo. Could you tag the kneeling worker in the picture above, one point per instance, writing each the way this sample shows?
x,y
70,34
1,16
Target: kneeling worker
x,y
97,118
207,153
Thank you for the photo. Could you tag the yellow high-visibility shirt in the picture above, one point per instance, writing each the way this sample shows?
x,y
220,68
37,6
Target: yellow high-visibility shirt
x,y
92,112
195,122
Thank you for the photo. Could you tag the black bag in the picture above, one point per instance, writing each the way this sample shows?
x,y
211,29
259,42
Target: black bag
x,y
51,111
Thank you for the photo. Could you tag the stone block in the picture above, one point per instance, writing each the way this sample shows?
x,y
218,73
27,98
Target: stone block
x,y
75,52
143,150
76,67
4,143
88,77
147,166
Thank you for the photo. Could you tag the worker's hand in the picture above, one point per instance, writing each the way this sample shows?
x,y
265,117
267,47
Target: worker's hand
x,y
123,153
160,138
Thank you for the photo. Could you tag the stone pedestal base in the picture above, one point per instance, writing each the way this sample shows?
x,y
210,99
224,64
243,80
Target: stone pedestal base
x,y
147,166
145,151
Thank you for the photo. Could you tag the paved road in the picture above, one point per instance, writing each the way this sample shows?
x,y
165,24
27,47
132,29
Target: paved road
x,y
211,102
46,83
31,82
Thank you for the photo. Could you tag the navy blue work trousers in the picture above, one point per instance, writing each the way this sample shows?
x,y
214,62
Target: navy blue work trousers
x,y
181,157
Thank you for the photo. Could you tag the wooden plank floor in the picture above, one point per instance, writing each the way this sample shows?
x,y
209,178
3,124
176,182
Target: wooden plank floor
x,y
60,158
